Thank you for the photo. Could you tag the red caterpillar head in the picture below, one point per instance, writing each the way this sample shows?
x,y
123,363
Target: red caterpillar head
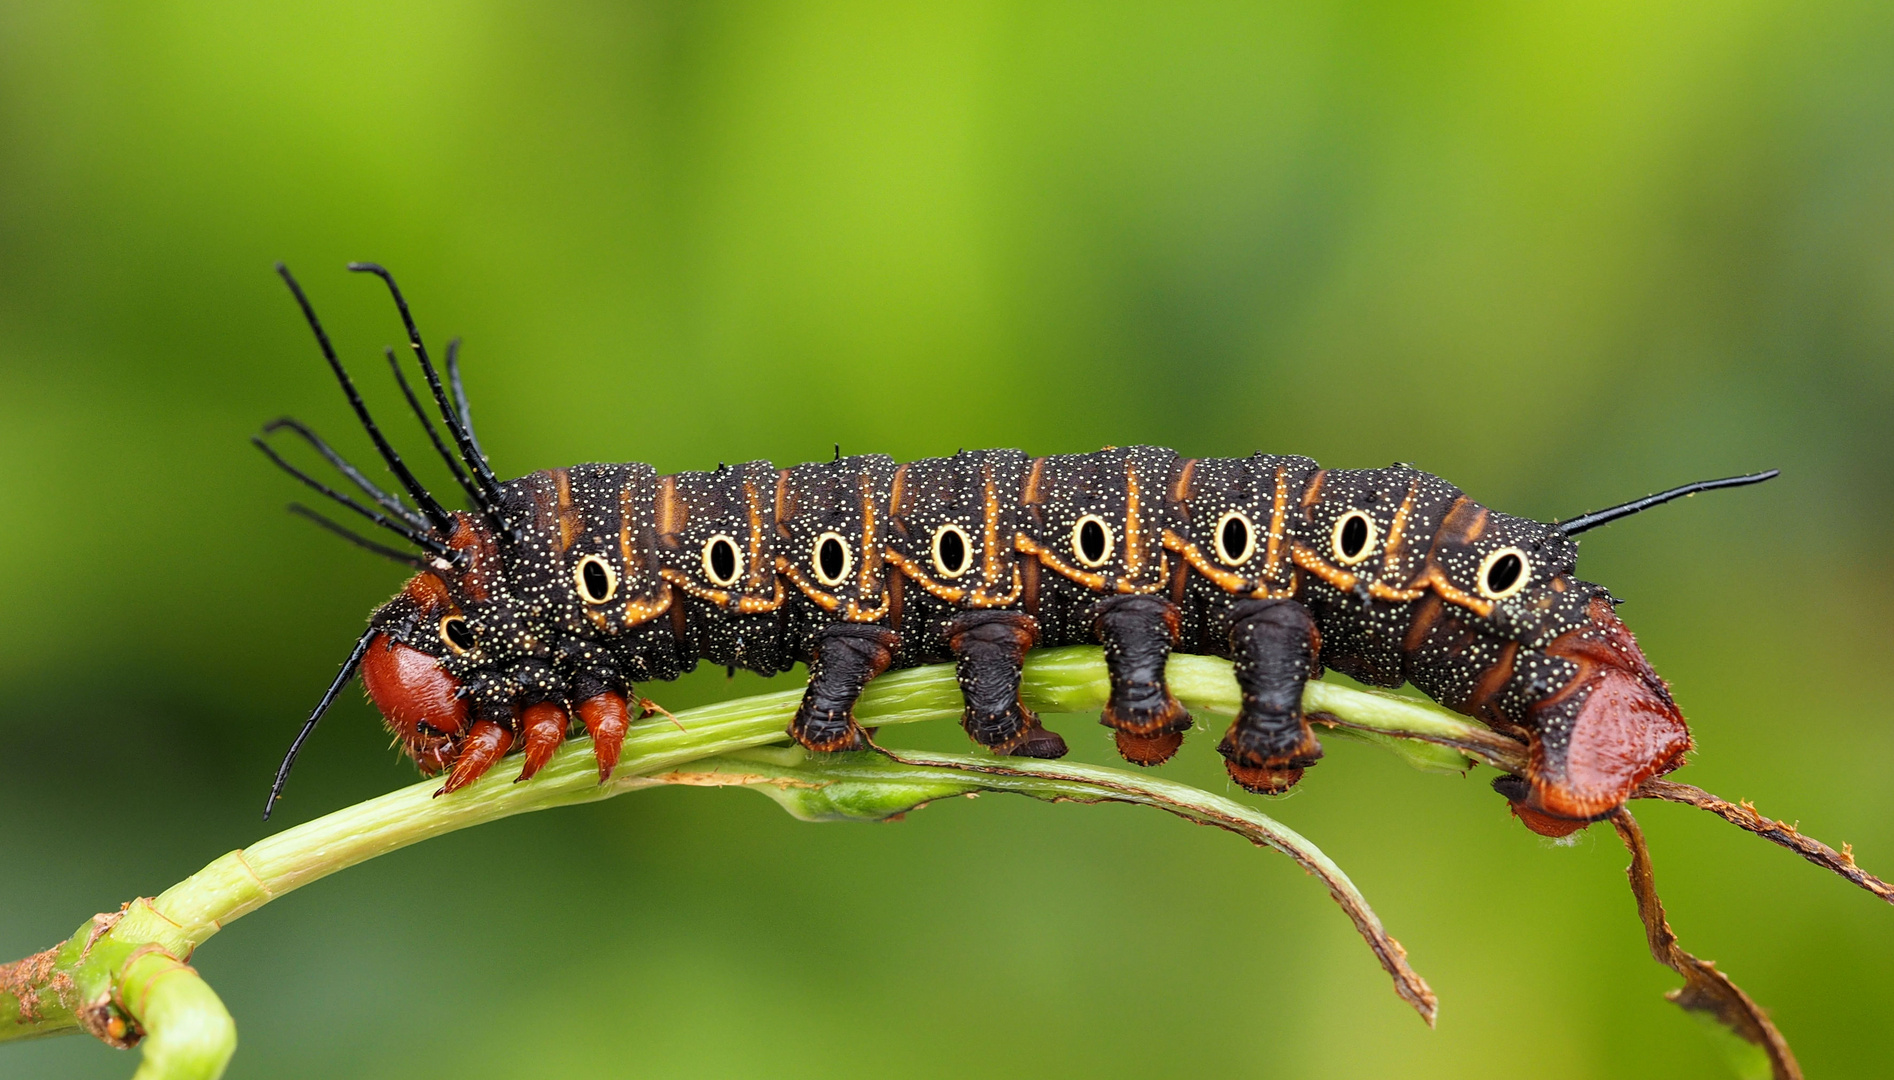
x,y
420,653
420,702
487,650
413,638
492,637
426,652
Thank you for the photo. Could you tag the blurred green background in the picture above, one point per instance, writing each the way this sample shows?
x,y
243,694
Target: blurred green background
x,y
1562,254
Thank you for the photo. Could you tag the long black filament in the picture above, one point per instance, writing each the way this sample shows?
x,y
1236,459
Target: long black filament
x,y
1610,514
483,475
382,499
353,537
342,678
460,400
411,535
431,509
433,436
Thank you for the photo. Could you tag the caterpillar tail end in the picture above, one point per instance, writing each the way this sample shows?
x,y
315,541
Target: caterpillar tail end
x,y
1607,731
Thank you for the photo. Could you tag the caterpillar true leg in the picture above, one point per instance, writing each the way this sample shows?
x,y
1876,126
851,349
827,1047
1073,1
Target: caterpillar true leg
x,y
1274,644
1138,633
544,727
606,718
487,743
989,647
847,655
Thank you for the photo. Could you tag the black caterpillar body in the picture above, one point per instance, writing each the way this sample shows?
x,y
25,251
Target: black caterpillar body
x,y
560,591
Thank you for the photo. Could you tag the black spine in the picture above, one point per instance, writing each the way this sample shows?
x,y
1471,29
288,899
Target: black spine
x,y
432,509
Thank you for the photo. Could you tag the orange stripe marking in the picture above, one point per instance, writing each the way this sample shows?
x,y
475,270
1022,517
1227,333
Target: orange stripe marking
x,y
568,526
1223,579
1134,533
823,600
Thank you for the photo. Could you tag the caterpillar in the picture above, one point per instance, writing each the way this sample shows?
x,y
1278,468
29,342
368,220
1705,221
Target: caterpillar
x,y
557,593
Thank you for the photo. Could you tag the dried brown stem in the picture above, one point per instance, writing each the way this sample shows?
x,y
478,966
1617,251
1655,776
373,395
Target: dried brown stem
x,y
1705,988
1509,755
1745,816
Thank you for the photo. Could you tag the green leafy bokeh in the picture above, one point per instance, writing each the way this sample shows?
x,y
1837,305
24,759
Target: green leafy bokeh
x,y
1560,254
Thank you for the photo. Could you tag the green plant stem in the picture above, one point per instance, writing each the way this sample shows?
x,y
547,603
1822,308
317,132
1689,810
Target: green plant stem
x,y
124,976
886,784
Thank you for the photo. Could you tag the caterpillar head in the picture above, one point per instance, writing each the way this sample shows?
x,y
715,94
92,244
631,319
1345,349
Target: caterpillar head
x,y
446,650
429,654
420,702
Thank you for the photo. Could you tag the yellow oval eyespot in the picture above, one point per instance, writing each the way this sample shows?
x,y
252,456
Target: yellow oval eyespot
x,y
723,561
1503,573
1091,541
831,559
595,579
953,551
1354,538
1235,539
457,634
